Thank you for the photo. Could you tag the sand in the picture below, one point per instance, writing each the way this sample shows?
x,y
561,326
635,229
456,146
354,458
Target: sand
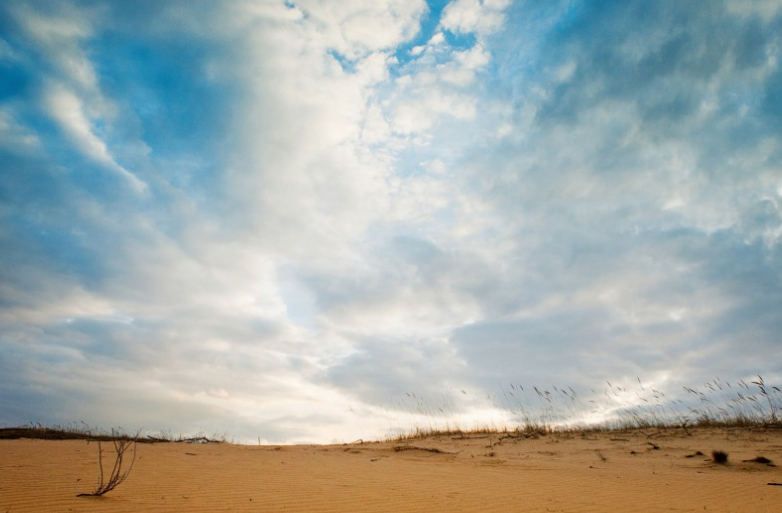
x,y
643,470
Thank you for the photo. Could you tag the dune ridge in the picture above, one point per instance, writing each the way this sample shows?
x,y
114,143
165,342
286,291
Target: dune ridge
x,y
630,470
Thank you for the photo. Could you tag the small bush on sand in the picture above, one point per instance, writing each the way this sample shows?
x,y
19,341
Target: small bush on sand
x,y
118,474
719,457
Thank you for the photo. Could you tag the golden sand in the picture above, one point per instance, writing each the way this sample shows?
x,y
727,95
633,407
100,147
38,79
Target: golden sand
x,y
642,470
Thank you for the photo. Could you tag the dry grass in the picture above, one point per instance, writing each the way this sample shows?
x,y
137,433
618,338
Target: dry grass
x,y
84,432
538,412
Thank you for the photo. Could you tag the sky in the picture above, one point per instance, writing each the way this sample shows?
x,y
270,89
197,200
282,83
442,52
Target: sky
x,y
301,220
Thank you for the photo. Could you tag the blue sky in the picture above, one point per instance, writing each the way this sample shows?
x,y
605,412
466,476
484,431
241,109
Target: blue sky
x,y
277,219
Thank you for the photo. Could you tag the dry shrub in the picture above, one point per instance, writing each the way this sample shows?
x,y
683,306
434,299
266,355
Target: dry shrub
x,y
117,474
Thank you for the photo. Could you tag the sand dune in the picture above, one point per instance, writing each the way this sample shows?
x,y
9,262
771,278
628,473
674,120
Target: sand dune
x,y
644,470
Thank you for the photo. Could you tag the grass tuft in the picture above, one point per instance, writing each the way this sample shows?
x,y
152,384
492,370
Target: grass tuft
x,y
720,457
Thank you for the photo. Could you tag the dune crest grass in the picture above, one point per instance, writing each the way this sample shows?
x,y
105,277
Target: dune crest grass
x,y
537,410
532,412
82,431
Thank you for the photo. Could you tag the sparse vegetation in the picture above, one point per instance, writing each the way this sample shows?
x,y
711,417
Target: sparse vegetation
x,y
538,411
400,448
761,460
535,412
117,475
83,432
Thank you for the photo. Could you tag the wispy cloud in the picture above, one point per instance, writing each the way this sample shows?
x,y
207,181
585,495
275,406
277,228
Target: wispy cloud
x,y
68,111
71,94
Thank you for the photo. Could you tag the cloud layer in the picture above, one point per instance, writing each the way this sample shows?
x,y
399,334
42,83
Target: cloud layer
x,y
279,219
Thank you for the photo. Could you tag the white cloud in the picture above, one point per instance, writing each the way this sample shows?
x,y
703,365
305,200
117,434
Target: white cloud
x,y
6,52
318,149
373,227
352,27
437,39
15,136
479,16
68,110
430,92
58,36
765,9
435,87
72,93
419,114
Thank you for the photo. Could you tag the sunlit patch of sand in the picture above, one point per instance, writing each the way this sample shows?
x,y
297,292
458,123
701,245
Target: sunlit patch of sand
x,y
628,471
